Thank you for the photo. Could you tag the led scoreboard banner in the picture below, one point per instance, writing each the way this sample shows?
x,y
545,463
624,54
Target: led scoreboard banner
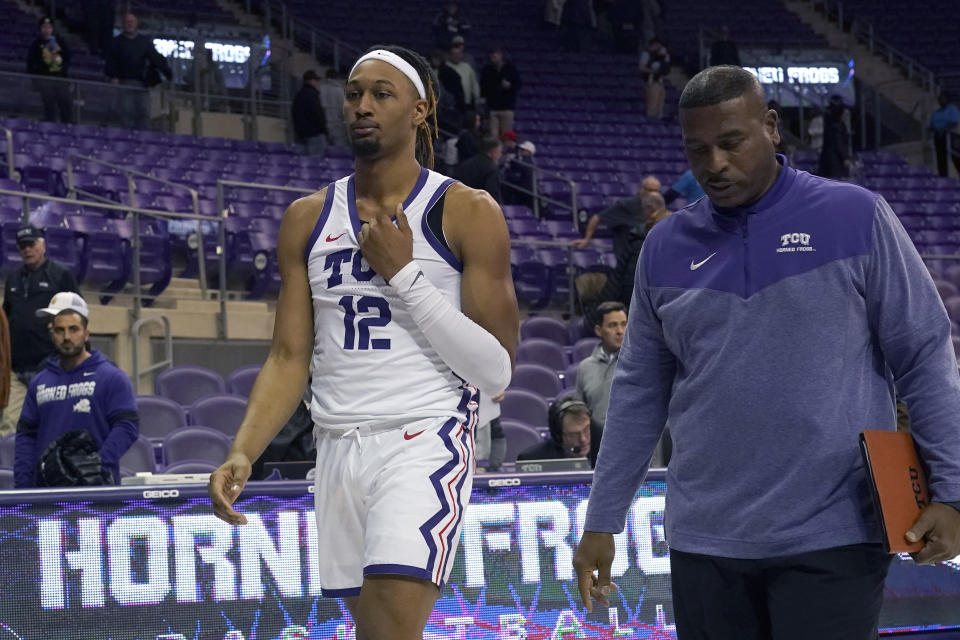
x,y
153,563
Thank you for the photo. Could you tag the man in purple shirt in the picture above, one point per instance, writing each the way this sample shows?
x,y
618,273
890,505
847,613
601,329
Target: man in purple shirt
x,y
770,322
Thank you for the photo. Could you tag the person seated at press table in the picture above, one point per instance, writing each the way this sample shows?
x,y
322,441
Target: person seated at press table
x,y
572,434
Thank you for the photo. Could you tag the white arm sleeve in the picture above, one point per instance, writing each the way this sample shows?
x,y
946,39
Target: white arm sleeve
x,y
472,352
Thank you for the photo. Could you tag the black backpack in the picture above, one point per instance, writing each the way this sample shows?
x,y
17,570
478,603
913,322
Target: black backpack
x,y
72,460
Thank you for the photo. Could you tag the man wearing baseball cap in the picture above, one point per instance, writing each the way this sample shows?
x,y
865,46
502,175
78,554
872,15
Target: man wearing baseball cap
x,y
77,389
28,289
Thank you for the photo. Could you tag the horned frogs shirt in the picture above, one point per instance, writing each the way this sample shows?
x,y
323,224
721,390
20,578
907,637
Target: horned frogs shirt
x,y
771,336
95,396
371,366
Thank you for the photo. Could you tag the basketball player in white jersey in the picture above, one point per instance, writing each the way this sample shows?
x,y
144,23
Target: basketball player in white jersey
x,y
397,297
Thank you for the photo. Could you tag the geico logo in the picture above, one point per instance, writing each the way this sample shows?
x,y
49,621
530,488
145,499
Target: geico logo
x,y
161,493
503,482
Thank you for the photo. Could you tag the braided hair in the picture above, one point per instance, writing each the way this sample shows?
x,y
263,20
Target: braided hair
x,y
427,130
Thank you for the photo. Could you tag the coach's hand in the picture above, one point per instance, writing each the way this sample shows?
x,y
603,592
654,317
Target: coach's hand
x,y
595,553
939,527
225,486
387,247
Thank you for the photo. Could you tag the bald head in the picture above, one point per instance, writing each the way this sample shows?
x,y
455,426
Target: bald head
x,y
720,84
650,184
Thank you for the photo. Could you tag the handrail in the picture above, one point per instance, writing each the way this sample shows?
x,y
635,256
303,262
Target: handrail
x,y
137,212
131,192
8,134
223,213
287,22
168,347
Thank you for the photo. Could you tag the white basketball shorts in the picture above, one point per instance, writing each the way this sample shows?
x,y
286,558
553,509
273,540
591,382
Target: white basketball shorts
x,y
391,502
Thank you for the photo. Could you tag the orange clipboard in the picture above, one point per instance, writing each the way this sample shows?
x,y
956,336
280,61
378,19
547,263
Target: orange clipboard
x,y
898,482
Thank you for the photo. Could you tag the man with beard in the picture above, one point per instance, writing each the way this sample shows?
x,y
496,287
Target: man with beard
x,y
78,389
397,295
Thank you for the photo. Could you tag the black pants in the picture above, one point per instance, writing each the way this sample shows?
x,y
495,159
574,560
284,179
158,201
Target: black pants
x,y
55,96
940,144
832,594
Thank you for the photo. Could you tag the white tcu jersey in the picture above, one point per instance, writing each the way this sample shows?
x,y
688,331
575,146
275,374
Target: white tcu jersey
x,y
371,366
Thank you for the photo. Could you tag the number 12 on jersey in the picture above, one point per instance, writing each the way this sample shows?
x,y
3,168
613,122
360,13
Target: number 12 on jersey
x,y
356,334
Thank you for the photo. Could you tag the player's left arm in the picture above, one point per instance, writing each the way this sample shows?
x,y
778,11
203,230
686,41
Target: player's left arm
x,y
477,231
913,331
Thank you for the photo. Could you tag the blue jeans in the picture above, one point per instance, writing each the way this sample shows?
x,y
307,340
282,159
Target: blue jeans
x,y
133,104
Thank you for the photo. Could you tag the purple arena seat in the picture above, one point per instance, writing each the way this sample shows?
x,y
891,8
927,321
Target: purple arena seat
x,y
139,457
544,352
240,381
946,289
570,376
6,450
953,307
43,179
583,348
195,443
187,383
222,411
191,466
537,378
519,436
159,416
546,328
105,255
524,406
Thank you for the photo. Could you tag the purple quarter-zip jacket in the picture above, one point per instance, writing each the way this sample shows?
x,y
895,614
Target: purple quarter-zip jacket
x,y
770,337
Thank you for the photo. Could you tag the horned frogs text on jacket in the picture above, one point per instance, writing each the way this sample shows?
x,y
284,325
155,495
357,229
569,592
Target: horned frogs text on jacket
x,y
95,396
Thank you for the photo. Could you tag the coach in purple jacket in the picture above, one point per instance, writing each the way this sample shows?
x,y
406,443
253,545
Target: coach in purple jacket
x,y
770,323
77,389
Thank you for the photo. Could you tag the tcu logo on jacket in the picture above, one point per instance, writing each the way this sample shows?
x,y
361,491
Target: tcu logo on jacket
x,y
790,242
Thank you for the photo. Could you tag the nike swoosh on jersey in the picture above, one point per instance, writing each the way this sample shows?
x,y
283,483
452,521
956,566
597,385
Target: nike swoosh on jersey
x,y
329,239
88,373
696,265
411,436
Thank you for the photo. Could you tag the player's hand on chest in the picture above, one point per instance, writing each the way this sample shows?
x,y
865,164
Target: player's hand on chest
x,y
386,245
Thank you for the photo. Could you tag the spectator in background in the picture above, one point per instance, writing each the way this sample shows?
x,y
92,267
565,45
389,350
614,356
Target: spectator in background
x,y
309,125
448,25
481,171
510,149
553,12
331,101
49,56
654,66
835,154
468,77
652,18
621,217
724,50
579,19
471,136
619,285
595,372
572,434
134,63
98,18
686,187
205,77
521,172
943,122
499,86
77,389
28,290
815,130
450,105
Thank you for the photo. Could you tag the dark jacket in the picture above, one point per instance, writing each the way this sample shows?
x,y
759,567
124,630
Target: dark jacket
x,y
552,450
480,172
307,112
130,58
491,86
450,83
40,62
95,396
26,292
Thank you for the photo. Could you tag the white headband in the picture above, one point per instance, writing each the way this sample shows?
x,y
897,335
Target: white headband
x,y
398,63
